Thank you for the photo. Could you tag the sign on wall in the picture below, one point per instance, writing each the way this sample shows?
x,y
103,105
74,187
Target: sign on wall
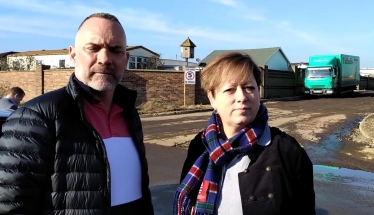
x,y
190,76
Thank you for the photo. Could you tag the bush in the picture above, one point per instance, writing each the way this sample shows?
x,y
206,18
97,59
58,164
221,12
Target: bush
x,y
4,87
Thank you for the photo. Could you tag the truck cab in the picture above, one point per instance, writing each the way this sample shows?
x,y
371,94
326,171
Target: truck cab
x,y
321,75
321,80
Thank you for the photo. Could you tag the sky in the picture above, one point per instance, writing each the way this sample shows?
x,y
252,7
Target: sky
x,y
300,28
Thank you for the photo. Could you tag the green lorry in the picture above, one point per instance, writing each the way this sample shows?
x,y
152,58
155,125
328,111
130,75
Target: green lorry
x,y
332,74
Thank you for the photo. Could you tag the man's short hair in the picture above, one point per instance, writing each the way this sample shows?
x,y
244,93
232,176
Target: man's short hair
x,y
107,16
16,90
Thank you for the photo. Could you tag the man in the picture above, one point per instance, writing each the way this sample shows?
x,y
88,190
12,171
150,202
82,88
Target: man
x,y
79,149
12,99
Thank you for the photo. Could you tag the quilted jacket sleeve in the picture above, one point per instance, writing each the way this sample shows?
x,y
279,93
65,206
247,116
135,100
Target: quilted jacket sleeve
x,y
26,156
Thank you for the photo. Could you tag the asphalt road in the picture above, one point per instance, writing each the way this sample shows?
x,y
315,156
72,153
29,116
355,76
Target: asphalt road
x,y
335,194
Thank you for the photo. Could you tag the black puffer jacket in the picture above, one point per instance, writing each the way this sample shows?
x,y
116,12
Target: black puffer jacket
x,y
53,162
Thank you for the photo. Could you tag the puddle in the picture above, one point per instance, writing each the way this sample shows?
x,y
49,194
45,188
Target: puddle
x,y
345,176
327,147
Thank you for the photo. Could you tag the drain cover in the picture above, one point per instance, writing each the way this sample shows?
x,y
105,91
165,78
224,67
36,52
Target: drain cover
x,y
367,126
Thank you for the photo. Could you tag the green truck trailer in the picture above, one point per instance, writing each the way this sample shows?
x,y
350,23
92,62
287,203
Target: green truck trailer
x,y
332,74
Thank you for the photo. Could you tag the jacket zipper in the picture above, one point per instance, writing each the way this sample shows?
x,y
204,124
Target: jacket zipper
x,y
102,145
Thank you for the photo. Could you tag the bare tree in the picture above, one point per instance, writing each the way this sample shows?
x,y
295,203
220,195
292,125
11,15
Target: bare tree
x,y
4,87
153,62
30,62
4,64
22,63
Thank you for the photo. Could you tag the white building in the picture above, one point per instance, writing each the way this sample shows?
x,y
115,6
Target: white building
x,y
169,64
367,72
28,60
59,59
138,56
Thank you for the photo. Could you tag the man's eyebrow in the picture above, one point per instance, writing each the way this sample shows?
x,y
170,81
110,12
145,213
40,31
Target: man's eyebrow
x,y
112,47
116,47
92,44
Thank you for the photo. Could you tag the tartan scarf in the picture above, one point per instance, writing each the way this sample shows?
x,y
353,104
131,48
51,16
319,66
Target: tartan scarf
x,y
198,191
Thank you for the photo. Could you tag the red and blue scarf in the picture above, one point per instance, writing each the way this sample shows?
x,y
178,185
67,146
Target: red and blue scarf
x,y
197,193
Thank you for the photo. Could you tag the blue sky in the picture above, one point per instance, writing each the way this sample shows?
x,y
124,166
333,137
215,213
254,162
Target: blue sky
x,y
300,28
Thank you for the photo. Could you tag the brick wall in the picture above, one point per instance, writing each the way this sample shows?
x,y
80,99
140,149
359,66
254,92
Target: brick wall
x,y
164,85
29,81
55,79
200,95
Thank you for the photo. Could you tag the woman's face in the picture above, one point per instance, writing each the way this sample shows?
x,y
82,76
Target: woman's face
x,y
237,104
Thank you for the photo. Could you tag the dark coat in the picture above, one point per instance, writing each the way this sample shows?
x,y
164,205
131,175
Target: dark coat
x,y
52,161
279,179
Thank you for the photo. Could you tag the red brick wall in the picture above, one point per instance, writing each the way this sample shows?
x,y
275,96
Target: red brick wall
x,y
167,86
55,79
29,81
164,85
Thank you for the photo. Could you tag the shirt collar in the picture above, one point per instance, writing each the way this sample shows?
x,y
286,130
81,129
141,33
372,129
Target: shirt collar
x,y
87,92
11,100
265,137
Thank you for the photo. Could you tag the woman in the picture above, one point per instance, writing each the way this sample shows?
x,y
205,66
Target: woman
x,y
238,164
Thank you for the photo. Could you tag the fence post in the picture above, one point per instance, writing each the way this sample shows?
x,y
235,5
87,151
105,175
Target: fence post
x,y
266,81
39,78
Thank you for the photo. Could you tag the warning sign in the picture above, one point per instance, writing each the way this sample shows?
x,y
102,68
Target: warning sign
x,y
190,76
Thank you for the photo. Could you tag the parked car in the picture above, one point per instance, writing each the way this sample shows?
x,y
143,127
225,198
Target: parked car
x,y
3,116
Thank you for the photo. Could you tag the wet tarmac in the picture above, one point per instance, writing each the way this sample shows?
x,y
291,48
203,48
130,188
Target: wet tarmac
x,y
329,145
344,176
343,191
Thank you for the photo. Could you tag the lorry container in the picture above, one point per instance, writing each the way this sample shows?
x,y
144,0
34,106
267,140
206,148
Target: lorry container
x,y
332,74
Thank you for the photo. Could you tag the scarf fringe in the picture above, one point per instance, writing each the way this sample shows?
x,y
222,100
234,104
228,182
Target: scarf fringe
x,y
184,207
187,206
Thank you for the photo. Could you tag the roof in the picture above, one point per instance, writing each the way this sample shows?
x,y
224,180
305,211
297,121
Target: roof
x,y
4,54
171,62
259,56
129,48
66,51
41,52
188,43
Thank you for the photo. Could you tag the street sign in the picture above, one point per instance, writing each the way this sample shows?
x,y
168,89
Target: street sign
x,y
190,76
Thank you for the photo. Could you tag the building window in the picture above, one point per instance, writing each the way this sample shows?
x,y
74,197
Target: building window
x,y
132,63
61,64
140,62
136,62
16,65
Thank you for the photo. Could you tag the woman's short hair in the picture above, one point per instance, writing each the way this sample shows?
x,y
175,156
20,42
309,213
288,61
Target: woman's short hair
x,y
232,66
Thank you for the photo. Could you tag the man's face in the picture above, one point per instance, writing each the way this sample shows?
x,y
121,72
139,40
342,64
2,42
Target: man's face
x,y
99,55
